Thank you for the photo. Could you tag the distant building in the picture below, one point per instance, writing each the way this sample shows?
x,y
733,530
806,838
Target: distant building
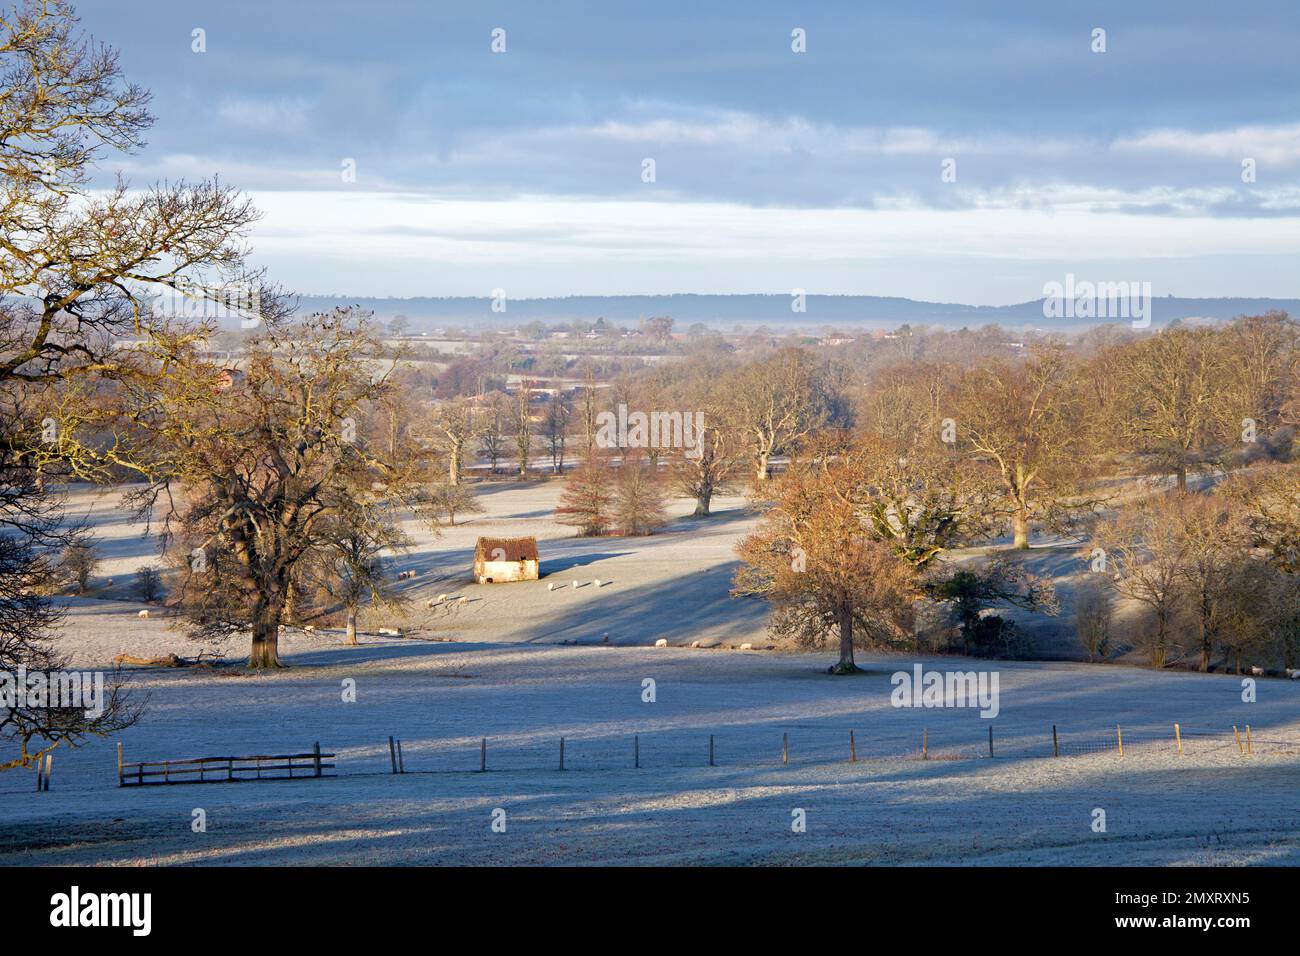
x,y
497,560
228,378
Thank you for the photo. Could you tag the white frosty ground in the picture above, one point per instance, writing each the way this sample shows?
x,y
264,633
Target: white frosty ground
x,y
501,672
672,585
1211,805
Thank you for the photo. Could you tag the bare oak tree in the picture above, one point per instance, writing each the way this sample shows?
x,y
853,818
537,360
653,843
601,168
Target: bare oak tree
x,y
258,477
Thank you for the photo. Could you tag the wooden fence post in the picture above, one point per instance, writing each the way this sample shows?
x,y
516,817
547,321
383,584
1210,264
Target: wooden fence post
x,y
316,753
990,740
1236,733
925,743
40,772
482,756
1249,750
636,752
49,769
711,763
392,755
119,764
1178,739
561,753
1119,736
785,748
1056,744
401,764
853,749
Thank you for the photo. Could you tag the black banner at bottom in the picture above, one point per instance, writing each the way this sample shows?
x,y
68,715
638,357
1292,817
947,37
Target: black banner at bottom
x,y
338,905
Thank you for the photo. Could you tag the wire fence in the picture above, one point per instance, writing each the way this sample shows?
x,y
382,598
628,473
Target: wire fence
x,y
810,745
777,745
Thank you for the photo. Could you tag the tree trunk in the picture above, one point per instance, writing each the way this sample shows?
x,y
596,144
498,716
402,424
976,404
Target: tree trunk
x,y
1181,474
845,665
352,626
702,502
762,471
265,652
453,465
1159,649
1207,639
1020,528
290,613
268,614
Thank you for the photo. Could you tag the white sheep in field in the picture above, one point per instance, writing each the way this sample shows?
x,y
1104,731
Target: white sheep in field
x,y
1256,671
1293,673
662,642
464,599
310,628
144,613
441,598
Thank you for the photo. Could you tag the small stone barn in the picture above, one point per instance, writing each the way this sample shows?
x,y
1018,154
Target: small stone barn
x,y
505,559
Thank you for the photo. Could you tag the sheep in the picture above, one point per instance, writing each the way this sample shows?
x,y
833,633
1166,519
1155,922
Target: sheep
x,y
596,582
550,586
310,628
575,585
144,613
747,647
1293,673
662,642
441,598
1256,671
695,643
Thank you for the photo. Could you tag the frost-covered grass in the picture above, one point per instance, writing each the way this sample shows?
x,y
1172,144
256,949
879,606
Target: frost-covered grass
x,y
524,666
1211,805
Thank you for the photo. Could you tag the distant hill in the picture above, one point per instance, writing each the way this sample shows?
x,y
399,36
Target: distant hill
x,y
724,311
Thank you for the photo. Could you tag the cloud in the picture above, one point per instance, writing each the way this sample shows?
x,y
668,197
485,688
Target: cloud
x,y
730,156
288,114
1277,145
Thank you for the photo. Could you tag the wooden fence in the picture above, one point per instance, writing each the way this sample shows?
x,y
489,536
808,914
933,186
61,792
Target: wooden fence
x,y
224,769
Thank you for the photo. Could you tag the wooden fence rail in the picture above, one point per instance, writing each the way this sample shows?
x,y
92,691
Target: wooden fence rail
x,y
146,773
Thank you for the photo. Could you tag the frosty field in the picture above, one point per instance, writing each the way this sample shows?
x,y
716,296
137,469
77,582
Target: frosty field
x,y
1023,806
523,666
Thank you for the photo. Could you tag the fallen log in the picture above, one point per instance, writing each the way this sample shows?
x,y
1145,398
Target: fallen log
x,y
170,660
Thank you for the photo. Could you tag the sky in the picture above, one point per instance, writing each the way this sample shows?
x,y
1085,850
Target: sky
x,y
949,151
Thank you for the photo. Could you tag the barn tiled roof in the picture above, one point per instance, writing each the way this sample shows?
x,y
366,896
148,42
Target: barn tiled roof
x,y
515,549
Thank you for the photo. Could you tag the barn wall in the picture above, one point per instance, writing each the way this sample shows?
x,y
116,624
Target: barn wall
x,y
503,571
